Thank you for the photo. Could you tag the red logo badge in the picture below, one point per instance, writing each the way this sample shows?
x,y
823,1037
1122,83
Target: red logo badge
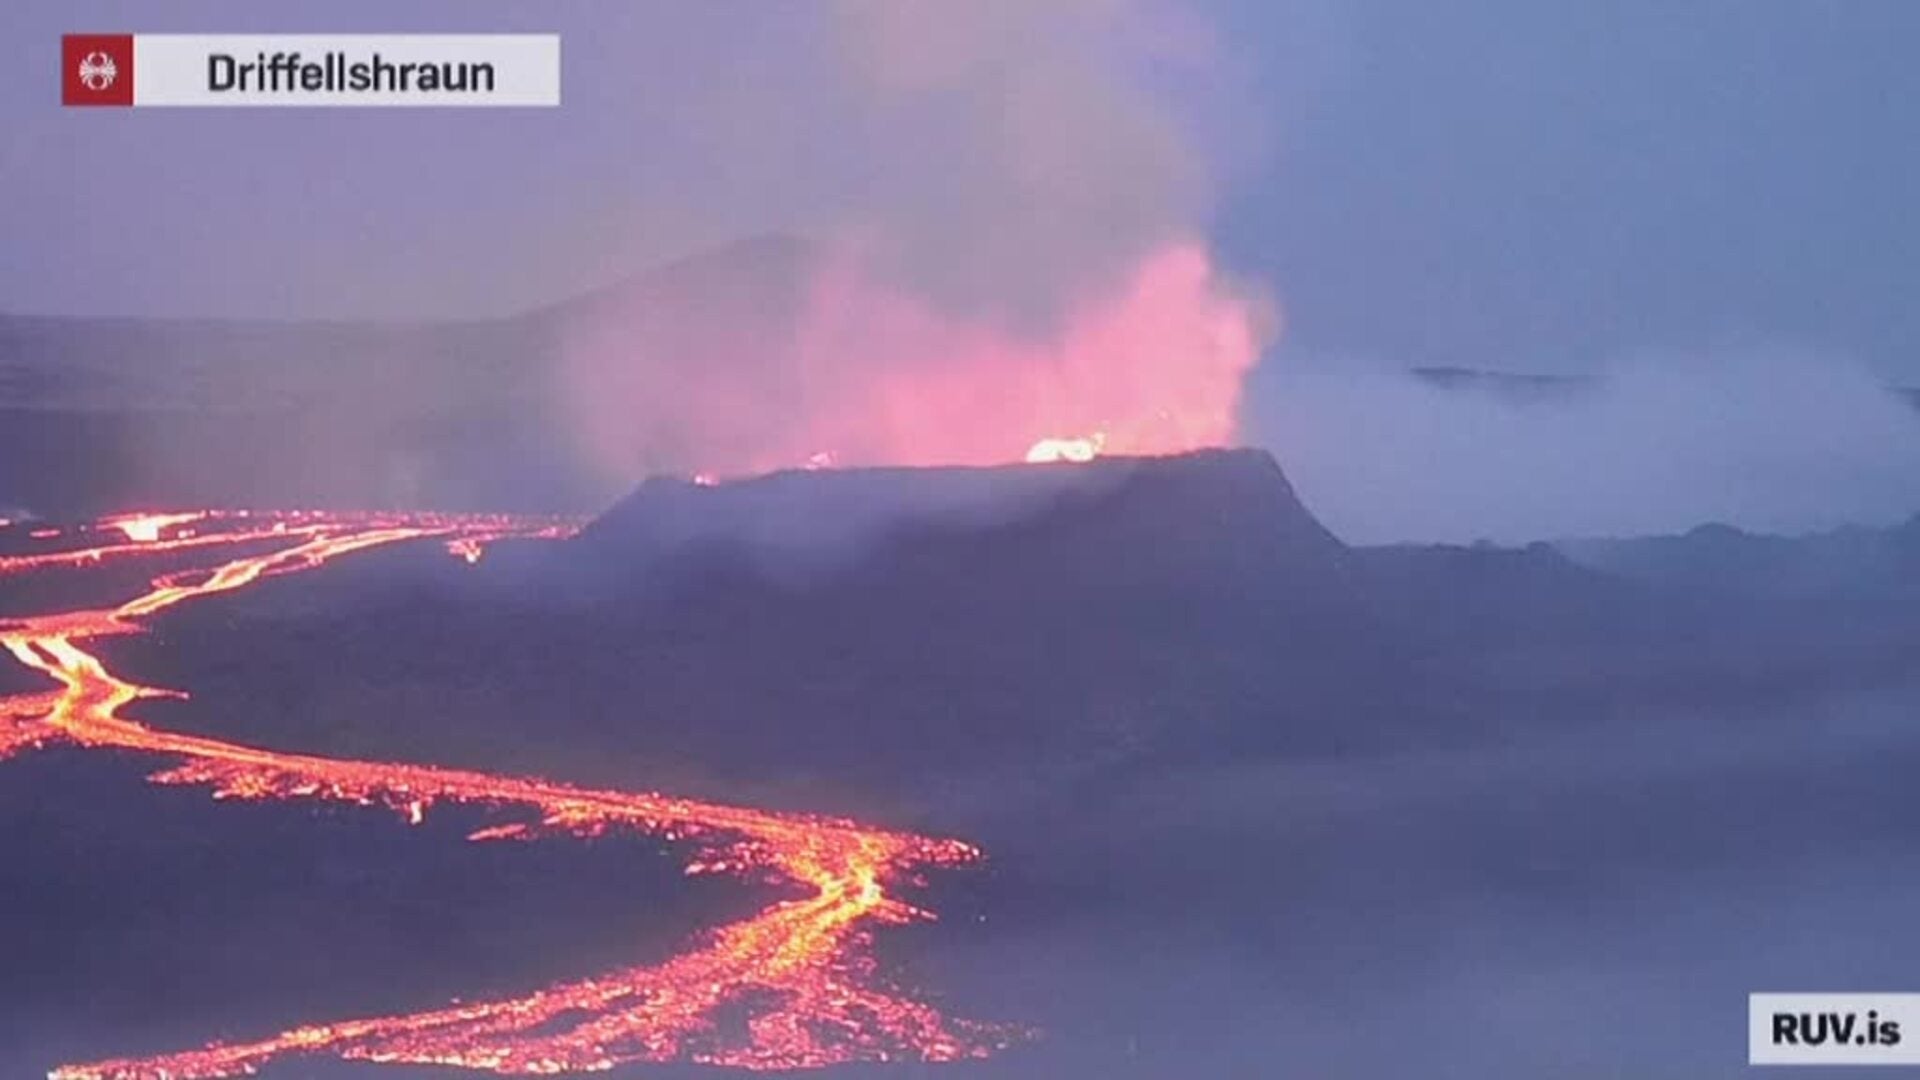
x,y
96,69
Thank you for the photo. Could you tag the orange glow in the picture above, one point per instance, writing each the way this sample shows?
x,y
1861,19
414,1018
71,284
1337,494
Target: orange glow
x,y
1084,449
466,548
146,528
800,966
14,564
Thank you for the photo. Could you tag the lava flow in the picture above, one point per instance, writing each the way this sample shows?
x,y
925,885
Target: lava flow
x,y
800,968
1077,450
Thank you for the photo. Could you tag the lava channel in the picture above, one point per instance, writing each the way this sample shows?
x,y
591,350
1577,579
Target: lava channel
x,y
801,967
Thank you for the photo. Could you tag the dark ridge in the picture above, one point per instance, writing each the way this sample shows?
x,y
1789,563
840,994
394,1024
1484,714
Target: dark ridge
x,y
757,270
1880,562
1460,378
1525,385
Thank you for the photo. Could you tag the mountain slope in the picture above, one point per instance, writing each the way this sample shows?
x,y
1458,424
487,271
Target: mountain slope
x,y
101,414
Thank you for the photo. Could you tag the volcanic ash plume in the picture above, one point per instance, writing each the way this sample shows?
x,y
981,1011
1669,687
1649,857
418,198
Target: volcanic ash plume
x,y
1010,255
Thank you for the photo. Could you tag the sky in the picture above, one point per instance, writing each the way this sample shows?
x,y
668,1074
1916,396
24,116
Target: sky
x,y
1549,187
1542,185
1517,185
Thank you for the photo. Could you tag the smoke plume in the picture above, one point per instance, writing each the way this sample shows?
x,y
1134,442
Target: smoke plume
x,y
1003,249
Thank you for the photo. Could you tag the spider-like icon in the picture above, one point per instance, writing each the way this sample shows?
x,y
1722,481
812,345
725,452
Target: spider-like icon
x,y
97,71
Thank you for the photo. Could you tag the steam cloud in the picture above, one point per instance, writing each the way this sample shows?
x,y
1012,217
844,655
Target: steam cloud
x,y
1772,441
1013,257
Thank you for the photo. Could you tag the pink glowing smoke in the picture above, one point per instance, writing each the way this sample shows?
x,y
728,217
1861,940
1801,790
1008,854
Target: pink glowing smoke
x,y
870,374
1003,203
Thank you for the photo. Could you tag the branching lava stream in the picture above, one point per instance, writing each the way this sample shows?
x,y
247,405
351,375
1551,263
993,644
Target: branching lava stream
x,y
800,968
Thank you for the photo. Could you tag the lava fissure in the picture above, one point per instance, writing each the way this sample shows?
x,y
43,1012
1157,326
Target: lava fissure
x,y
800,967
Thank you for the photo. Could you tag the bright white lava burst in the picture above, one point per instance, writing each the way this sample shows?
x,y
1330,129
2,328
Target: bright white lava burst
x,y
147,528
1081,449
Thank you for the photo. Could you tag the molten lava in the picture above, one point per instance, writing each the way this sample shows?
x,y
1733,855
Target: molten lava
x,y
1085,449
800,967
146,528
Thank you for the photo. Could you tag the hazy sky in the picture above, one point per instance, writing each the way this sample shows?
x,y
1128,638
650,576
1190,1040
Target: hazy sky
x,y
1534,184
1522,185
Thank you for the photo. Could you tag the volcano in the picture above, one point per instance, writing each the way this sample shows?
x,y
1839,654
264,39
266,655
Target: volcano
x,y
1215,516
865,631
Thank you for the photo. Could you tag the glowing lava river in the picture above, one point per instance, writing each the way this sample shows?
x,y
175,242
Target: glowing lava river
x,y
800,968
